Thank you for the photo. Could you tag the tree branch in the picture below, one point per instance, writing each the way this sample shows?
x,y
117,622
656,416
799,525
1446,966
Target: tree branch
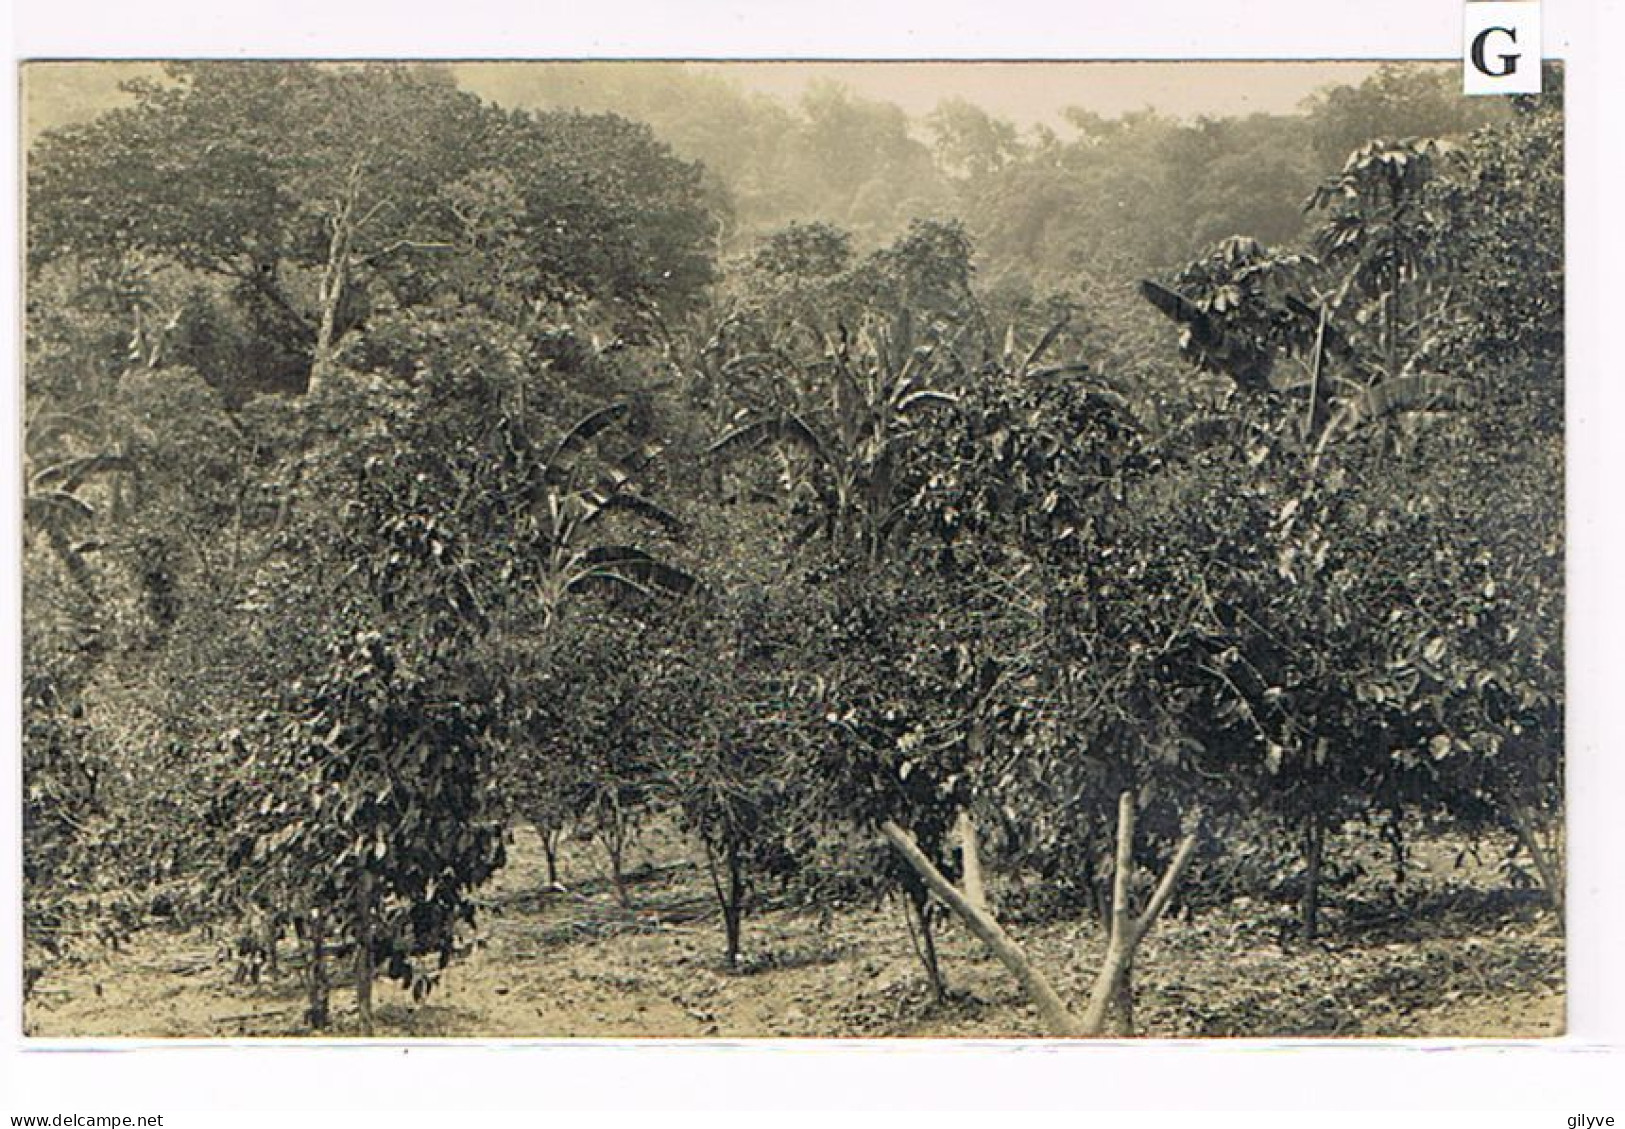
x,y
1038,988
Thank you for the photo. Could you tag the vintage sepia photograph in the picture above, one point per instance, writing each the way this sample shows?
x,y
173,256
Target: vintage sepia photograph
x,y
731,550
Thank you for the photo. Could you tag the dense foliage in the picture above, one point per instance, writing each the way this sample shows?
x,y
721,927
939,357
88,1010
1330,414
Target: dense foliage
x,y
400,467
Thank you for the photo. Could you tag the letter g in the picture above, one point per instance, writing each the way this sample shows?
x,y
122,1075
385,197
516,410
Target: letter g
x,y
1509,63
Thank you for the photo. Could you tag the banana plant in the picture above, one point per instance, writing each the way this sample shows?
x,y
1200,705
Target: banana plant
x,y
1230,309
570,501
1244,308
62,454
843,438
1377,240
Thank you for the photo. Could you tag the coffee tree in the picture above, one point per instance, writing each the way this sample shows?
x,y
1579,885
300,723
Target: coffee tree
x,y
731,676
372,817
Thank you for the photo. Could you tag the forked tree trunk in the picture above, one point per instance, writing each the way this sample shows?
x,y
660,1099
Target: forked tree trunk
x,y
1115,979
1114,983
927,915
1056,1017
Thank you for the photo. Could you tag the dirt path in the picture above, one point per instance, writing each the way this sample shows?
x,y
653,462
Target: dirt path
x,y
574,964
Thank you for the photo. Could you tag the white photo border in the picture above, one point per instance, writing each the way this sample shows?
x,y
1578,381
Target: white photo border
x,y
437,1082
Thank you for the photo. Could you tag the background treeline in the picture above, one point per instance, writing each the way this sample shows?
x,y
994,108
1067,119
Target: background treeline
x,y
1145,188
877,500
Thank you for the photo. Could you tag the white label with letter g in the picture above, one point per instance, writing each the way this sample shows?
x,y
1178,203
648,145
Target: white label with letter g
x,y
1501,47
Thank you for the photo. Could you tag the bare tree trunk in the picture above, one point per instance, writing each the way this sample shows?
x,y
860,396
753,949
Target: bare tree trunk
x,y
317,1012
1113,982
330,291
273,930
971,861
612,834
1311,423
730,897
925,914
550,837
1056,1017
1546,865
615,847
1314,853
1120,938
735,915
363,953
730,930
329,294
1123,1001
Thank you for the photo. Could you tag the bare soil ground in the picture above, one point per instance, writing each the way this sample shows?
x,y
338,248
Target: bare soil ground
x,y
1466,959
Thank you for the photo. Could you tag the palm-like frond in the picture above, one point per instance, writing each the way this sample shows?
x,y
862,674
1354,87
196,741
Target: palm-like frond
x,y
753,436
51,508
628,566
587,428
53,513
603,580
925,396
1209,431
46,426
1422,392
1333,340
71,473
638,460
1181,309
630,502
1036,353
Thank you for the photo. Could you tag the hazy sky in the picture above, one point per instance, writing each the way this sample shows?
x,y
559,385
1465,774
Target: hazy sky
x,y
1026,93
